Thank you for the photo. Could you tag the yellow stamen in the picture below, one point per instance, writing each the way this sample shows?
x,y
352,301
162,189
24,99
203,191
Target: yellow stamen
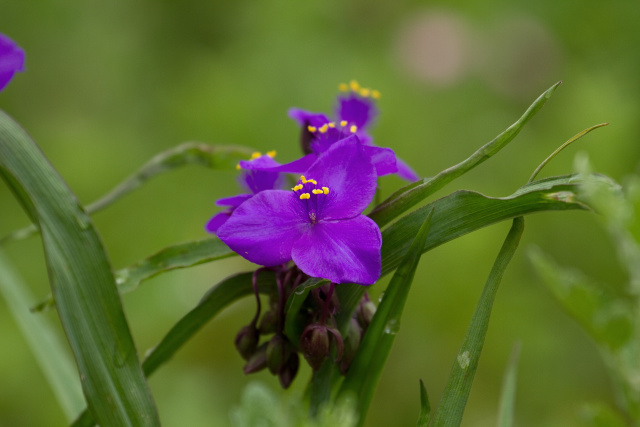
x,y
271,153
353,129
304,196
297,187
375,94
343,123
343,87
324,128
354,85
331,124
311,128
312,181
303,179
255,155
365,92
316,191
325,190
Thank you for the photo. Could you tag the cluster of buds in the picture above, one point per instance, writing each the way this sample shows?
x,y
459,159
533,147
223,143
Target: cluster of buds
x,y
319,340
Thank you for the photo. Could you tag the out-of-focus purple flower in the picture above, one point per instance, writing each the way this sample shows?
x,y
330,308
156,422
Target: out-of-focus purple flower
x,y
319,225
253,180
11,60
355,111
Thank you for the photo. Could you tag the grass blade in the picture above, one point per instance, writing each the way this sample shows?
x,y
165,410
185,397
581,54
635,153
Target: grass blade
x,y
416,192
82,283
454,399
425,407
506,410
363,375
55,362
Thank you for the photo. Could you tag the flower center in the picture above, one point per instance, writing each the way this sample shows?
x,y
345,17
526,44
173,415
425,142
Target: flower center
x,y
312,197
327,134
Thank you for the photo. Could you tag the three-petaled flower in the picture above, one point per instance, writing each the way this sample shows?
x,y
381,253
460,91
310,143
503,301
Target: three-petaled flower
x,y
319,223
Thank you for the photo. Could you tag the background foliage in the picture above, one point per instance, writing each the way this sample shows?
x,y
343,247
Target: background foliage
x,y
109,85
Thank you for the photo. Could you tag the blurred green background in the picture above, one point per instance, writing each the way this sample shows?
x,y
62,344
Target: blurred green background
x,y
110,84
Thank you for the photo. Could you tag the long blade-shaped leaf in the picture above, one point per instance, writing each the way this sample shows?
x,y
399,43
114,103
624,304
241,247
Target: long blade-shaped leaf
x,y
416,192
425,407
363,375
82,283
454,399
506,409
220,296
214,157
56,364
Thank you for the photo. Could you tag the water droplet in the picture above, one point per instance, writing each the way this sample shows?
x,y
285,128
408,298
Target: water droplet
x,y
392,327
464,360
381,297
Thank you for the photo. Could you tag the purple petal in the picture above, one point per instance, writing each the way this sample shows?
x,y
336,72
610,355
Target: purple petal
x,y
347,171
11,60
405,171
307,118
383,159
218,219
264,228
356,109
342,251
234,201
297,166
260,177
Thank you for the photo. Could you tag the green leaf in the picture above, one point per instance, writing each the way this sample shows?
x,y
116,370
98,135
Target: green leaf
x,y
601,415
363,375
455,395
82,283
414,193
46,346
220,296
213,157
506,410
425,406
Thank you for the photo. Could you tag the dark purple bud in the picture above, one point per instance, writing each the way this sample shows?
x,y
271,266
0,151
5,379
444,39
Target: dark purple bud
x,y
278,350
268,322
351,344
257,361
247,341
366,310
315,345
290,370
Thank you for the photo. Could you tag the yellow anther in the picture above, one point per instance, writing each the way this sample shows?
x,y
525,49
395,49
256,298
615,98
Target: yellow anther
x,y
325,190
375,94
297,187
343,123
303,179
271,153
324,128
238,167
365,92
316,191
354,85
313,181
353,129
312,128
343,87
331,124
255,155
304,196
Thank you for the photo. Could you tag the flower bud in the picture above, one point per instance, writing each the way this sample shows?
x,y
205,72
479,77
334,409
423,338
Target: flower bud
x,y
268,322
247,341
315,345
257,361
278,351
290,370
365,312
351,344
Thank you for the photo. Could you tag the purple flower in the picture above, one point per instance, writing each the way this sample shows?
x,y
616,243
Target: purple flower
x,y
318,224
253,180
11,60
356,111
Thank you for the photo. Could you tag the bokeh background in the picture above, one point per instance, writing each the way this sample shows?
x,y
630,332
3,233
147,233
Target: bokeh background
x,y
110,84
